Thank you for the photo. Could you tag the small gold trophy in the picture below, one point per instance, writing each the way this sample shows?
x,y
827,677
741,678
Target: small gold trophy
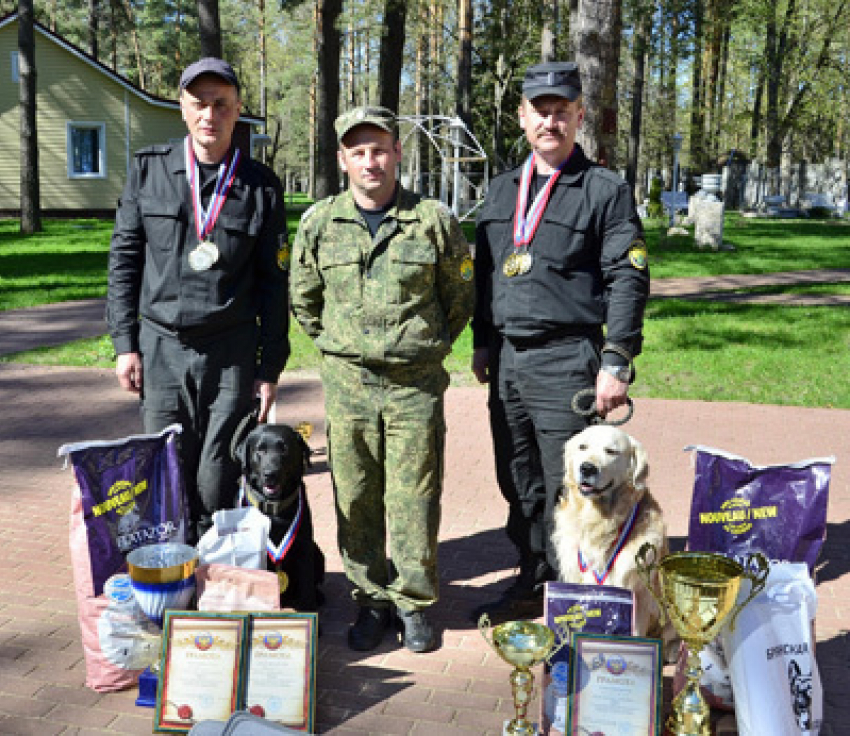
x,y
521,644
698,593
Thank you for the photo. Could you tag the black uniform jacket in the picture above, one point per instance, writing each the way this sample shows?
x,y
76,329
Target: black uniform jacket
x,y
589,266
149,273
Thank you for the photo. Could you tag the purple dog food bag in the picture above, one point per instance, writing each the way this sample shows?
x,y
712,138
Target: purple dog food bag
x,y
738,508
569,608
128,493
131,492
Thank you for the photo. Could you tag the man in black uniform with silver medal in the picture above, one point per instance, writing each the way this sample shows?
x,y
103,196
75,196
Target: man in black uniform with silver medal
x,y
198,277
561,283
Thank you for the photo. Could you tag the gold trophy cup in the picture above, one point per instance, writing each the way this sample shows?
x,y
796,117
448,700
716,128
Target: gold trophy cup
x,y
698,593
521,644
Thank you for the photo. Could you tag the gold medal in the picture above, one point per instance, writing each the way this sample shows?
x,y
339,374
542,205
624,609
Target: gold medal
x,y
204,256
524,261
282,580
511,266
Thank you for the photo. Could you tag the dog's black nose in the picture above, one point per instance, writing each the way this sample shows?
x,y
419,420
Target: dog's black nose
x,y
587,469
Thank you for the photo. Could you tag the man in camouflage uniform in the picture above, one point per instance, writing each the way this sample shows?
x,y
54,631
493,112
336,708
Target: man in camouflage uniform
x,y
381,280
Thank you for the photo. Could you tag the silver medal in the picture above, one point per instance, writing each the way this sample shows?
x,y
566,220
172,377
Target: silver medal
x,y
204,256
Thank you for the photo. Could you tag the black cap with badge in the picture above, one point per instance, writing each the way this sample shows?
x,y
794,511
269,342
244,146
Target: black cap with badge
x,y
209,65
556,78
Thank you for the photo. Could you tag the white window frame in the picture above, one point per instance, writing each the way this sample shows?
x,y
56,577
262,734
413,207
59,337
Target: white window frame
x,y
16,69
72,125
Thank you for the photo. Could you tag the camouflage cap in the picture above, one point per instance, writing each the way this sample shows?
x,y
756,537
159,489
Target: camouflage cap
x,y
380,117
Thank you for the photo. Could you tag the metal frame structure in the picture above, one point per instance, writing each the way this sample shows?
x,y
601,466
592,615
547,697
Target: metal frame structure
x,y
463,173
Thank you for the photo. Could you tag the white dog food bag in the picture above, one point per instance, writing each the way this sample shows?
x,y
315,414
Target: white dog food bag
x,y
771,656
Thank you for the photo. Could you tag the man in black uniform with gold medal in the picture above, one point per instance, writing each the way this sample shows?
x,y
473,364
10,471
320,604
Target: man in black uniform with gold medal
x,y
561,282
198,277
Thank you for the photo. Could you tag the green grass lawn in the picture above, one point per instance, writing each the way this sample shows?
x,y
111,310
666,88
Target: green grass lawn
x,y
693,349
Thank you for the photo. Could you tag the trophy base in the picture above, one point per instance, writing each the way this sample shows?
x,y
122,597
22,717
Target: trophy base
x,y
511,728
147,689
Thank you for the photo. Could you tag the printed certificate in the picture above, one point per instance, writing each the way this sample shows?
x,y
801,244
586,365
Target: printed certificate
x,y
199,677
616,685
281,669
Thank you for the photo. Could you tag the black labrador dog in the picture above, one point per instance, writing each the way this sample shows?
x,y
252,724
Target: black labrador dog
x,y
274,458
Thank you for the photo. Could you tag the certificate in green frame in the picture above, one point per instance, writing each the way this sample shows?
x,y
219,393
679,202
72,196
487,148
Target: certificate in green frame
x,y
616,685
214,664
201,669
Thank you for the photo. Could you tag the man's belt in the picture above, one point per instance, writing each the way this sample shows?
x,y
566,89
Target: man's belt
x,y
558,336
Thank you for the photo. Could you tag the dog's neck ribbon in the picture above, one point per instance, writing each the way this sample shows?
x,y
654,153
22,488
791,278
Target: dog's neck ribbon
x,y
276,554
625,531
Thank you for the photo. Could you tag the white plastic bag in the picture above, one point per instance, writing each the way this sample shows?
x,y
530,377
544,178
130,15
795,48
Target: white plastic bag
x,y
771,657
238,538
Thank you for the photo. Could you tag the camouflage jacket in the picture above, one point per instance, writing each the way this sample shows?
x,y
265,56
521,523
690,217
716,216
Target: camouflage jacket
x,y
399,298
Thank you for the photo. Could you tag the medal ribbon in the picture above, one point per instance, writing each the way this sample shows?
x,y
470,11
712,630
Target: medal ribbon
x,y
525,224
204,221
276,554
621,541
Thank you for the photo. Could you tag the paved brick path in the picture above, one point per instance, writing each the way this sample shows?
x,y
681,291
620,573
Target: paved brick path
x,y
461,688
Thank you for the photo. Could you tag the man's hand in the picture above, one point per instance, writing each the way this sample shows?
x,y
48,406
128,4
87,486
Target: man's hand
x,y
128,368
266,391
610,393
481,364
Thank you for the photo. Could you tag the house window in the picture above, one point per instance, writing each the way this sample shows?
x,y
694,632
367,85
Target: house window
x,y
16,71
86,150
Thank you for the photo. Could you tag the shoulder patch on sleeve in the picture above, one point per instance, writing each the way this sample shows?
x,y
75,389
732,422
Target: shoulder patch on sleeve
x,y
637,254
284,252
467,269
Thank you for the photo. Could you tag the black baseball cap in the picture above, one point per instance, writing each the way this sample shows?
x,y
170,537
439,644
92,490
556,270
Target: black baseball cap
x,y
209,65
557,78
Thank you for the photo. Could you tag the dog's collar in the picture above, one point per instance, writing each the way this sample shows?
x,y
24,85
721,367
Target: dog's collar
x,y
625,531
277,553
270,508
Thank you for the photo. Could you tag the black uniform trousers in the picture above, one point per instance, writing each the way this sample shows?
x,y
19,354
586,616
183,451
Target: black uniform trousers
x,y
531,420
205,385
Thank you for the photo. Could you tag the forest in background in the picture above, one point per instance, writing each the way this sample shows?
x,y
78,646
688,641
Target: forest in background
x,y
765,79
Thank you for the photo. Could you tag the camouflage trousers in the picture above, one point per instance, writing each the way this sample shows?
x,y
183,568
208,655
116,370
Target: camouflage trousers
x,y
386,433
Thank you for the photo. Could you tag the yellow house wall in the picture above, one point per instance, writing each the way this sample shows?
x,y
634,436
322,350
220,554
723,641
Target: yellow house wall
x,y
69,89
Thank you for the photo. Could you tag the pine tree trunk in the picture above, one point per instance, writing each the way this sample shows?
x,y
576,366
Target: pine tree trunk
x,y
463,97
209,26
639,47
30,192
327,102
595,28
391,53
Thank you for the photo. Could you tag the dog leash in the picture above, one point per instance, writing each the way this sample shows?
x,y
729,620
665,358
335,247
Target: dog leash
x,y
246,424
591,411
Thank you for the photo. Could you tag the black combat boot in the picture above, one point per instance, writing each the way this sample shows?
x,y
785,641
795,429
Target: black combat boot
x,y
368,631
417,633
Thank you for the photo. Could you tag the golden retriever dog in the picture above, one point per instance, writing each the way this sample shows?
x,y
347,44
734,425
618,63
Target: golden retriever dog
x,y
605,515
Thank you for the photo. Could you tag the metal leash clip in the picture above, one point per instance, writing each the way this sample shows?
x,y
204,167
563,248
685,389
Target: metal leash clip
x,y
590,409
